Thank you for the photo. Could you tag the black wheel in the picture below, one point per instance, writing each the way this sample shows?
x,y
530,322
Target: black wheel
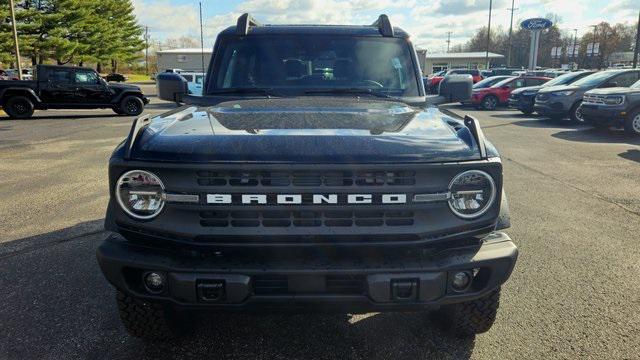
x,y
118,111
527,112
632,123
19,107
146,320
469,318
576,114
132,105
489,102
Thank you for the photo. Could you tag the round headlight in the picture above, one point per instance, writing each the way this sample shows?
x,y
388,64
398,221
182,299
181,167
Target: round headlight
x,y
472,193
140,194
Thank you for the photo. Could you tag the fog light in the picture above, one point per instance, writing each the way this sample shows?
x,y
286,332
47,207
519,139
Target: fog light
x,y
461,280
154,282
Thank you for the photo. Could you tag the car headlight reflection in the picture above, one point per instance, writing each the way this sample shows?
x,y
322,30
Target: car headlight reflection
x,y
140,194
614,100
563,93
471,194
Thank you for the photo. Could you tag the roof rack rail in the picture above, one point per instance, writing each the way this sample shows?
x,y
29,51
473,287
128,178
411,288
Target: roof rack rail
x,y
245,21
384,26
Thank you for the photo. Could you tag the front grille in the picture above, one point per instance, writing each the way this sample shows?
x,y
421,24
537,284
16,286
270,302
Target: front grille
x,y
305,178
593,99
333,285
336,218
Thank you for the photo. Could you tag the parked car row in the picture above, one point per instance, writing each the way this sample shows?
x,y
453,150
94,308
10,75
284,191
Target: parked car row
x,y
602,98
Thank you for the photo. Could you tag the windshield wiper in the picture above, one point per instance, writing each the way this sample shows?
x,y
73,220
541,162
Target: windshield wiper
x,y
365,91
248,90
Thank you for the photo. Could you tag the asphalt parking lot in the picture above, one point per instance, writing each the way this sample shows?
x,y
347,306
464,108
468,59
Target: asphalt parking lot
x,y
575,203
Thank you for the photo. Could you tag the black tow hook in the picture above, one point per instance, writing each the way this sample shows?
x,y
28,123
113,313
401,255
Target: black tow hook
x,y
210,290
404,290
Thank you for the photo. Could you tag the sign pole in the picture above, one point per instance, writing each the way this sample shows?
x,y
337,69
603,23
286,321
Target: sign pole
x,y
535,26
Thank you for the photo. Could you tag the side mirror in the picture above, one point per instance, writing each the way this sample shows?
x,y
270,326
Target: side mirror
x,y
456,88
505,87
171,87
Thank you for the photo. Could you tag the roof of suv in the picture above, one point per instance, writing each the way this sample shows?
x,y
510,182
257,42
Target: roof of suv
x,y
247,25
352,30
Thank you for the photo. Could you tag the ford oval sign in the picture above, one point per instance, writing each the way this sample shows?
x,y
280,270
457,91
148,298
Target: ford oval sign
x,y
536,24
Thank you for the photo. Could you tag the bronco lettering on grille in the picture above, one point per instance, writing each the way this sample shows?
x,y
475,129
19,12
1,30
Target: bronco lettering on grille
x,y
301,199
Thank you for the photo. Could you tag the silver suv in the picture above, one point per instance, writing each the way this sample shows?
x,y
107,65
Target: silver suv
x,y
558,102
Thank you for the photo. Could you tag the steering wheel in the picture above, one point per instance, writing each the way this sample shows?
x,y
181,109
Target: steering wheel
x,y
373,82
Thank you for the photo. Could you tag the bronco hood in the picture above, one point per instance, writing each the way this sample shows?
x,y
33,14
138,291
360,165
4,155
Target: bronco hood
x,y
306,130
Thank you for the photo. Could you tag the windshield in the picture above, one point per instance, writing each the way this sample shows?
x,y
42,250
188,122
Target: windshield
x,y
562,79
503,82
489,81
298,63
594,79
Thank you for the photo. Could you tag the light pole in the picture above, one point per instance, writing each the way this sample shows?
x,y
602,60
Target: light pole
x,y
637,48
593,44
15,39
574,53
448,40
486,57
201,39
510,32
146,49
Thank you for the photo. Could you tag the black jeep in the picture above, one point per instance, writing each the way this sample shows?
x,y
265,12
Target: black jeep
x,y
67,87
311,176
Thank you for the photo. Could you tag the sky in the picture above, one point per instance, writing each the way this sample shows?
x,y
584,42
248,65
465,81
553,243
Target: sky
x,y
428,22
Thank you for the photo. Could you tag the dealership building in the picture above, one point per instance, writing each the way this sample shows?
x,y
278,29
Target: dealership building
x,y
189,59
434,62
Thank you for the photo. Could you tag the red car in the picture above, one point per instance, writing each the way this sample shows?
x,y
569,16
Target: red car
x,y
498,94
435,80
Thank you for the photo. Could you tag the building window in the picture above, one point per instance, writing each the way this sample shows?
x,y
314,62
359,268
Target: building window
x,y
437,67
182,58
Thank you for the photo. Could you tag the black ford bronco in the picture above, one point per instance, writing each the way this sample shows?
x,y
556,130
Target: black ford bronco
x,y
312,175
67,87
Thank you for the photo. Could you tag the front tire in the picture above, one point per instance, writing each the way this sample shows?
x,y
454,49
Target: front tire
x,y
147,320
632,123
132,105
576,114
527,112
489,102
469,318
19,107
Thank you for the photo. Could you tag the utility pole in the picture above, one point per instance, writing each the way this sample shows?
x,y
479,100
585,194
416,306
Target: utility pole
x,y
486,57
448,40
512,8
201,38
146,49
637,48
15,39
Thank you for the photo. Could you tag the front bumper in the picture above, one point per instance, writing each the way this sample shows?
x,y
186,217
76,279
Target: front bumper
x,y
145,100
551,109
327,279
522,103
605,115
